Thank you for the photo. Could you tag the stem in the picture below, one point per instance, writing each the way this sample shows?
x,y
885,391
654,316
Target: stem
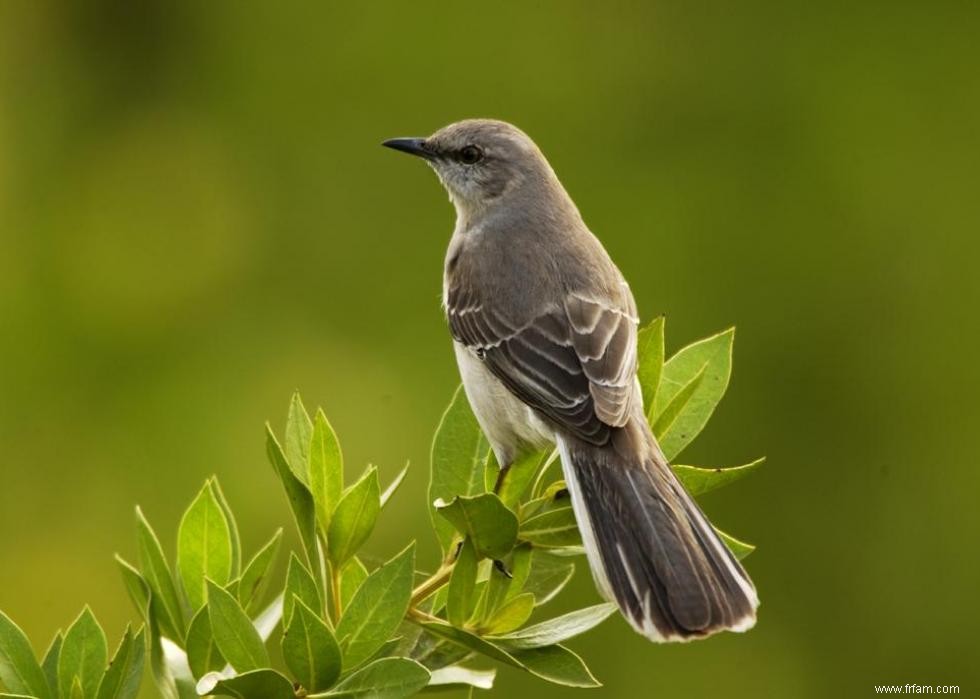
x,y
335,592
432,584
323,565
418,615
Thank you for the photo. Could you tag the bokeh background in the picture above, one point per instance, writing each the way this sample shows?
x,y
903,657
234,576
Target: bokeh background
x,y
196,219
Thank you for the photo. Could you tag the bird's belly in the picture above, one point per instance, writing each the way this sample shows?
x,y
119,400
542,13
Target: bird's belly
x,y
510,425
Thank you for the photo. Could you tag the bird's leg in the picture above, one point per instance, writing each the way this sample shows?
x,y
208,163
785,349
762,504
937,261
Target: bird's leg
x,y
501,477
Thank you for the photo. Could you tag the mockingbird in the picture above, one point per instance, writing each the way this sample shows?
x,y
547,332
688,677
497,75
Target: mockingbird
x,y
545,337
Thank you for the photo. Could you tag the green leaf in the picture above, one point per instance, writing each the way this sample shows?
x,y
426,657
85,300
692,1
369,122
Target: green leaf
x,y
650,361
430,650
326,470
711,358
557,630
301,584
156,572
83,656
255,684
511,615
552,497
677,406
299,431
267,621
551,528
388,649
204,548
394,485
567,551
457,675
136,587
387,678
50,663
701,480
480,596
233,631
458,462
520,569
551,464
352,575
497,586
236,540
739,549
310,649
460,601
300,499
19,670
377,608
556,664
485,519
255,579
173,680
556,492
434,604
203,655
162,678
355,517
491,473
469,640
125,672
549,575
519,477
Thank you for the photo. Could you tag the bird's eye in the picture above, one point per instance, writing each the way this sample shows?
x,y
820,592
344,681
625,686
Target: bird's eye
x,y
470,155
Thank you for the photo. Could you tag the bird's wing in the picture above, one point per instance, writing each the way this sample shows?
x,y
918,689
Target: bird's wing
x,y
574,361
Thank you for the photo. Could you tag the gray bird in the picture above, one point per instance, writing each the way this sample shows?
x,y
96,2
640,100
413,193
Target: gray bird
x,y
545,337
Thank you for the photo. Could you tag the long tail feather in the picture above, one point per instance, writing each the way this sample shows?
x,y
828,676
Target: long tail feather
x,y
650,547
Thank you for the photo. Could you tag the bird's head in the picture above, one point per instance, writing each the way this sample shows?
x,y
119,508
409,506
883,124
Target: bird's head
x,y
480,161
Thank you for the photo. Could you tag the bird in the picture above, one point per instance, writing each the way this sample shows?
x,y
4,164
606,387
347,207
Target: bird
x,y
544,329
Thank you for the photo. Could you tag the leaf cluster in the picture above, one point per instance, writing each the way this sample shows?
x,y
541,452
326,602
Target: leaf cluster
x,y
509,545
74,665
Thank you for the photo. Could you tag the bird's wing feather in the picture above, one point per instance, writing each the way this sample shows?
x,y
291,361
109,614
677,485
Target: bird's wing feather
x,y
574,361
604,337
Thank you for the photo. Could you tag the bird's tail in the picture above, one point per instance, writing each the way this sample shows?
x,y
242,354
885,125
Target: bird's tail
x,y
651,549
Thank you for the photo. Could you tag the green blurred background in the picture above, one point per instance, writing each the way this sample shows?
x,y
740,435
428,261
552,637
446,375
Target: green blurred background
x,y
196,218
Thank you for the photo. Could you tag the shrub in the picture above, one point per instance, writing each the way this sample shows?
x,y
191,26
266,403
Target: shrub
x,y
509,545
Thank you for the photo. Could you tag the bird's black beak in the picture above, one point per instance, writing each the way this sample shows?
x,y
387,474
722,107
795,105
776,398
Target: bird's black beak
x,y
414,146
